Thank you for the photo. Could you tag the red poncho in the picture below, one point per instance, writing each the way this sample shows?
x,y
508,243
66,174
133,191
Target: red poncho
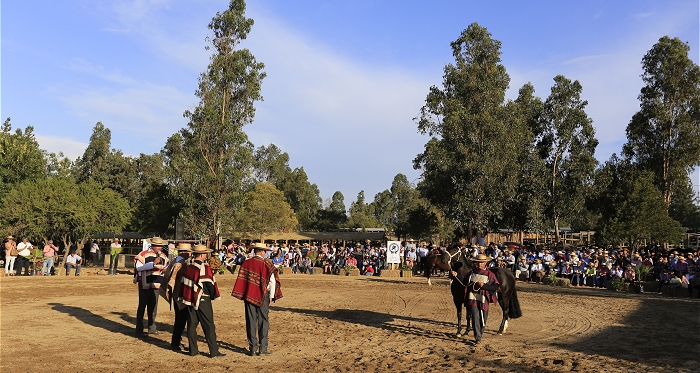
x,y
193,279
253,280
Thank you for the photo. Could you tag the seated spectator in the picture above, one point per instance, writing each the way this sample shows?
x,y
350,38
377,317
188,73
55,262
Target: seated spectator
x,y
675,280
278,259
577,272
328,264
681,265
537,271
617,272
411,257
305,266
629,274
73,260
603,276
296,262
522,267
591,272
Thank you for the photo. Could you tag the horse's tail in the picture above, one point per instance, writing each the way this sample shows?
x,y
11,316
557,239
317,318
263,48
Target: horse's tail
x,y
514,306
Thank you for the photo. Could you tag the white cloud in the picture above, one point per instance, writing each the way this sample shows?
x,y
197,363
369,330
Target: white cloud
x,y
71,148
143,109
348,124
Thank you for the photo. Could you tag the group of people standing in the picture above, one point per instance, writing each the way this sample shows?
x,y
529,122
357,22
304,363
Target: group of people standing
x,y
189,283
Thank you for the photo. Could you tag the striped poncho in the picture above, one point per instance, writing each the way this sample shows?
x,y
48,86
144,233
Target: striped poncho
x,y
253,280
481,297
192,284
150,276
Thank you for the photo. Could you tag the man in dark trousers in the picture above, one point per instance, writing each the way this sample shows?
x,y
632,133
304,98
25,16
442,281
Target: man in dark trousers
x,y
197,291
257,284
481,290
150,265
170,290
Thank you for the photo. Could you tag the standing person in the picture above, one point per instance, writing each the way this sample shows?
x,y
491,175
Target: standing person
x,y
50,251
24,249
197,291
149,273
481,290
256,285
10,256
114,247
170,290
73,260
94,249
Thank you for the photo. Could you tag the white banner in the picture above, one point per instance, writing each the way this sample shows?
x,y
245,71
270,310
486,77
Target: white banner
x,y
394,252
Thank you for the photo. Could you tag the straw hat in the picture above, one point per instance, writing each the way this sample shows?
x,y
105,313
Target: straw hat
x,y
184,246
10,238
201,249
481,258
258,246
157,241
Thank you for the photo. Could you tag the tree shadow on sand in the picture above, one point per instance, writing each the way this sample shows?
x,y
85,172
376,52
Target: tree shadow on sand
x,y
385,321
98,321
200,338
654,334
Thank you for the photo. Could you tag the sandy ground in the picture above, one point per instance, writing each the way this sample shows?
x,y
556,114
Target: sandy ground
x,y
329,323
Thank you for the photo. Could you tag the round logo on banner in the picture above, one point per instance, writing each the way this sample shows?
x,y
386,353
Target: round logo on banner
x,y
394,248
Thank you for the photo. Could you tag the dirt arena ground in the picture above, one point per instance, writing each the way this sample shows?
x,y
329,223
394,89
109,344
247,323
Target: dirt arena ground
x,y
329,323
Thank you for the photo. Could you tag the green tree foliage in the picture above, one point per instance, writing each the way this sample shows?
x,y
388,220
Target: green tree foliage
x,y
361,213
58,208
271,165
567,144
20,157
685,207
467,165
265,210
664,135
155,205
381,208
210,160
304,197
94,164
632,209
404,199
527,210
334,215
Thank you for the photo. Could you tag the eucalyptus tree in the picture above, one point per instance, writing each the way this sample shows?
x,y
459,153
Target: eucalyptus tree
x,y
664,135
361,213
467,163
303,196
632,209
567,144
209,161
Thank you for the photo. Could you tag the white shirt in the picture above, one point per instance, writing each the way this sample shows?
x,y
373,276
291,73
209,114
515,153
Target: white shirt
x,y
73,259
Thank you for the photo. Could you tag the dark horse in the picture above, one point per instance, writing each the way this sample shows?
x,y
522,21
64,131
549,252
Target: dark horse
x,y
432,261
456,258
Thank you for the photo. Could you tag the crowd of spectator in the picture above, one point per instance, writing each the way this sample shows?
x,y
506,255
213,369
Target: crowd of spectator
x,y
596,267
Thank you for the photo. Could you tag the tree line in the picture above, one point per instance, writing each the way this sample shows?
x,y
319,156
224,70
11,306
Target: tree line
x,y
525,164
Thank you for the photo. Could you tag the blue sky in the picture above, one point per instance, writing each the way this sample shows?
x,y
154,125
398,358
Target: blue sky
x,y
344,78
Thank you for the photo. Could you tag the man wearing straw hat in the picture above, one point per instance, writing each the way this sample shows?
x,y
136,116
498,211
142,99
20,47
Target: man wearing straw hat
x,y
256,285
170,290
197,291
481,290
149,265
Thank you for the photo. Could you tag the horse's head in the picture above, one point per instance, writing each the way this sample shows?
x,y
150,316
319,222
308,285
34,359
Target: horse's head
x,y
452,254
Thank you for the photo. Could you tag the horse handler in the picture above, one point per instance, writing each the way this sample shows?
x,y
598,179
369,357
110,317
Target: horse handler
x,y
481,290
257,280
